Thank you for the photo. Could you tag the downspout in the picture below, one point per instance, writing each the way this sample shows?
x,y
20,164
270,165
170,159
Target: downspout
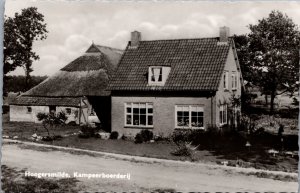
x,y
80,111
212,113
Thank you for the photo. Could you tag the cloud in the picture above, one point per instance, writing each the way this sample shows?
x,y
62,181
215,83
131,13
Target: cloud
x,y
73,26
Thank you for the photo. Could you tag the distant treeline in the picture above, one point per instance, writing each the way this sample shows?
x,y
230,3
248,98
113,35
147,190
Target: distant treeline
x,y
17,83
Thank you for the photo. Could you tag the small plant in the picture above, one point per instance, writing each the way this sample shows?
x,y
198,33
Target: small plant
x,y
138,138
143,136
52,120
124,137
114,135
185,149
147,135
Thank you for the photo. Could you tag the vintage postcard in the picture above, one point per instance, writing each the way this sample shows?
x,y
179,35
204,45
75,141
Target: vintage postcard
x,y
125,96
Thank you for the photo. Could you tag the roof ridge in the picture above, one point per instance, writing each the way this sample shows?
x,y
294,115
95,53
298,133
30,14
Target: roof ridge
x,y
217,37
179,39
117,49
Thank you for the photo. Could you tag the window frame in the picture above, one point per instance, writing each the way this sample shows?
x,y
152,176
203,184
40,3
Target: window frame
x,y
234,80
225,81
223,114
70,111
151,74
190,116
29,109
148,105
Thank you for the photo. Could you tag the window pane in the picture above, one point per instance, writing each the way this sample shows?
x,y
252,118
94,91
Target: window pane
x,y
143,111
150,120
128,120
194,121
221,117
186,113
136,120
150,110
180,121
200,114
135,111
186,121
143,120
194,114
179,113
200,122
128,109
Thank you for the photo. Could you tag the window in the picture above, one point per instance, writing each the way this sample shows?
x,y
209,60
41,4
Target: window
x,y
234,80
139,114
189,116
68,111
156,74
52,109
29,109
223,114
225,78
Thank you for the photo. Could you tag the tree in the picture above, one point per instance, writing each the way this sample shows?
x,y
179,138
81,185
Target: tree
x,y
20,32
274,54
52,120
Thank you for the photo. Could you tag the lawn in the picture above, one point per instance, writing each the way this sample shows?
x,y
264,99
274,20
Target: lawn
x,y
24,130
14,181
256,156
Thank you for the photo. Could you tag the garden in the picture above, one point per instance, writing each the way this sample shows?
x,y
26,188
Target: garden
x,y
256,143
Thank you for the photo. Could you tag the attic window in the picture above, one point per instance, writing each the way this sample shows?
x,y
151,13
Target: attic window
x,y
157,75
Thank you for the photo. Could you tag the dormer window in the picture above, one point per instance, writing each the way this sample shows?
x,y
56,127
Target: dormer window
x,y
157,75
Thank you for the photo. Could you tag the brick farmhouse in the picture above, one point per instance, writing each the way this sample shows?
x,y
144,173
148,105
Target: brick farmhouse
x,y
163,85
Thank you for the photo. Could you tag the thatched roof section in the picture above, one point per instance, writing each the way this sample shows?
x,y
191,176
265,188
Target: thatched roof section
x,y
88,75
46,101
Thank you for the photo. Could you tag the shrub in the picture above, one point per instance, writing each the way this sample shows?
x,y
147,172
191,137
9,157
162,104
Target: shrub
x,y
180,136
124,137
138,138
51,120
143,136
114,135
182,151
146,135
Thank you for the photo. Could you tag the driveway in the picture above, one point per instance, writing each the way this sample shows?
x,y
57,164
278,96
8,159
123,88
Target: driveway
x,y
143,176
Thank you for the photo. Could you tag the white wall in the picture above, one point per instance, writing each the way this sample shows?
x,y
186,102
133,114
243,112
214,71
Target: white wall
x,y
20,113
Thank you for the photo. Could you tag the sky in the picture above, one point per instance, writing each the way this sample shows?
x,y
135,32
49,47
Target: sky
x,y
74,25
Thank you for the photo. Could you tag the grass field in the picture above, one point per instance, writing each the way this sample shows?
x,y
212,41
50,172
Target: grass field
x,y
256,157
13,181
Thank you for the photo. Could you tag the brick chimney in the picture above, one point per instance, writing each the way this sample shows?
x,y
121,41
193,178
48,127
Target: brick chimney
x,y
135,38
224,34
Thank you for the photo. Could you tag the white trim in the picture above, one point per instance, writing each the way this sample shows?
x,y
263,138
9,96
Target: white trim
x,y
234,80
224,110
138,104
225,80
199,108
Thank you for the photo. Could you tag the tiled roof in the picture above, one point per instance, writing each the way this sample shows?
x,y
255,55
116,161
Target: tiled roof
x,y
46,101
196,65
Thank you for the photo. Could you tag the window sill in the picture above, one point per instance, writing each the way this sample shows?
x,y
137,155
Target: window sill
x,y
194,128
138,127
156,84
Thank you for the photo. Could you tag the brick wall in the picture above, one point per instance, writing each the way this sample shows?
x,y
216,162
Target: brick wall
x,y
163,112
